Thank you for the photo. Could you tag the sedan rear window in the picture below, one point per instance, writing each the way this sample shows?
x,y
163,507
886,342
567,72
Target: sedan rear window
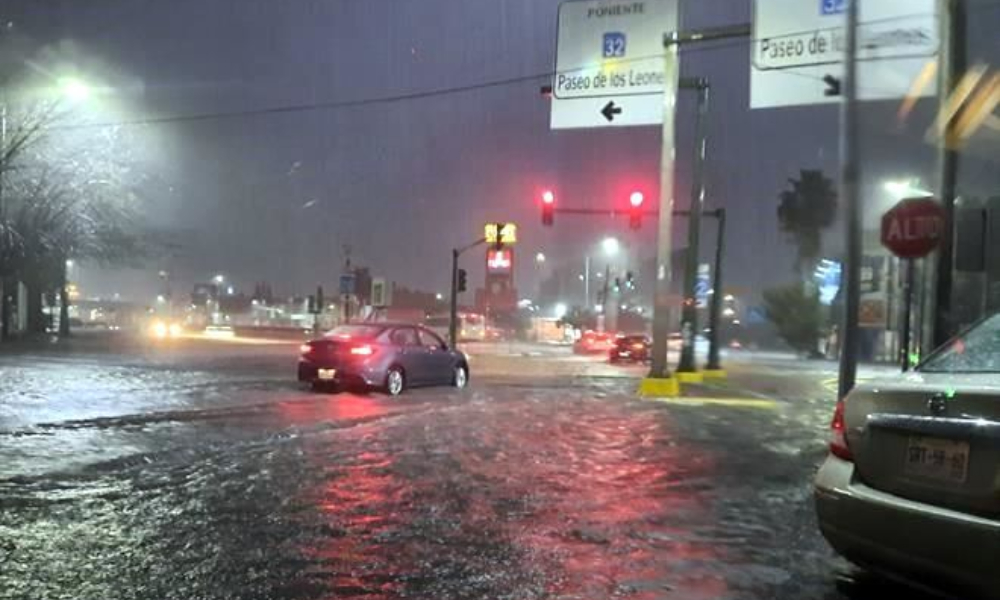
x,y
975,351
356,331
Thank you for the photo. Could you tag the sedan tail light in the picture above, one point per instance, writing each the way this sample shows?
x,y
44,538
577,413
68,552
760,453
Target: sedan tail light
x,y
305,349
365,350
838,439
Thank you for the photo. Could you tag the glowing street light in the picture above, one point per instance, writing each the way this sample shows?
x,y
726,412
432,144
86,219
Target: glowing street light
x,y
610,246
901,188
75,89
219,279
540,257
560,310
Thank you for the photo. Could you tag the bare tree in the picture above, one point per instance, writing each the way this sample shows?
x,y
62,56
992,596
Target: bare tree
x,y
61,203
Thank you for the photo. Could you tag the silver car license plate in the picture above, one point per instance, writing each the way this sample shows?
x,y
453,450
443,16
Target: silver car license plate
x,y
938,459
326,374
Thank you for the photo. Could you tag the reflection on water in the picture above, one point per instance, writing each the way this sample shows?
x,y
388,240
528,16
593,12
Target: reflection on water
x,y
506,504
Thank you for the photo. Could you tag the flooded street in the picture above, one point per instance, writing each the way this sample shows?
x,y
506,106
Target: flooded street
x,y
206,472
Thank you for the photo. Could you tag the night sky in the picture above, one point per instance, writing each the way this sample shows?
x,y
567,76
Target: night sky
x,y
275,196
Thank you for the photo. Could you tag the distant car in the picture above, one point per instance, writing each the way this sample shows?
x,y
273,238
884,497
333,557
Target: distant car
x,y
495,334
910,486
163,329
594,342
631,348
387,356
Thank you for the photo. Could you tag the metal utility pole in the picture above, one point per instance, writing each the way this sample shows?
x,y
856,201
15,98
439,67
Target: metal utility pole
x,y
586,282
346,297
689,315
609,307
664,244
715,304
953,63
852,213
453,302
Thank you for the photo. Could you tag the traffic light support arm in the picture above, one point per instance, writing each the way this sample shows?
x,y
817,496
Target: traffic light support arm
x,y
615,213
453,307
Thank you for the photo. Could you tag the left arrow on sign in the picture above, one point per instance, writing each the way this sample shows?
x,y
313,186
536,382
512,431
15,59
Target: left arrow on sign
x,y
610,110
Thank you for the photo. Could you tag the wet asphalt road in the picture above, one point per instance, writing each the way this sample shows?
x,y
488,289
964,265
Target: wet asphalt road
x,y
201,470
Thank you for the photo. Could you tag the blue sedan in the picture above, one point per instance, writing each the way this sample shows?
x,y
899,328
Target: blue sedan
x,y
388,356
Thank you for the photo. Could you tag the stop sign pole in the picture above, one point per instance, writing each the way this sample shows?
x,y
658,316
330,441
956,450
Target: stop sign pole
x,y
911,230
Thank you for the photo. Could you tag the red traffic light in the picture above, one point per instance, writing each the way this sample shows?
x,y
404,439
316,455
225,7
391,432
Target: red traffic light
x,y
548,208
635,212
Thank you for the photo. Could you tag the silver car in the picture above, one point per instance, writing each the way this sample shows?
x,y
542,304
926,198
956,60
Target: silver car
x,y
911,487
389,356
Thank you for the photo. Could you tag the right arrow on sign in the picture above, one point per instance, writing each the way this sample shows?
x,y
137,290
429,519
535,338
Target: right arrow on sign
x,y
610,110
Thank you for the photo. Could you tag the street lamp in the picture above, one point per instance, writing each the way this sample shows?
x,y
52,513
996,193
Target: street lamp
x,y
218,279
75,89
540,257
901,188
560,310
610,246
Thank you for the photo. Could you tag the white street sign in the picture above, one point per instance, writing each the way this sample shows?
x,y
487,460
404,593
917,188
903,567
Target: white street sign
x,y
609,63
796,43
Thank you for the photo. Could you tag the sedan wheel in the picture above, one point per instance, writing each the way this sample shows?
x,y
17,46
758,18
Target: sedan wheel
x,y
395,381
461,377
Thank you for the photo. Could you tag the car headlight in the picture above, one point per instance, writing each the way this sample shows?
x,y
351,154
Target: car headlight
x,y
174,329
160,329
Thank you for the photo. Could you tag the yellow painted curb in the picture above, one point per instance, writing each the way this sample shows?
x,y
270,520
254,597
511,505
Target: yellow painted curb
x,y
715,374
659,387
690,377
733,402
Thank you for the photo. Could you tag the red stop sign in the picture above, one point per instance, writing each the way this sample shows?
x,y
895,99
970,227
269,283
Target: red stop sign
x,y
914,227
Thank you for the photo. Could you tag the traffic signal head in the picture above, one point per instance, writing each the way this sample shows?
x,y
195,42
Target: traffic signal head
x,y
463,283
548,208
635,209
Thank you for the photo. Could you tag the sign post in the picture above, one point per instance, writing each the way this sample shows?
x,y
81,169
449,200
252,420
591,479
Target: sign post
x,y
849,178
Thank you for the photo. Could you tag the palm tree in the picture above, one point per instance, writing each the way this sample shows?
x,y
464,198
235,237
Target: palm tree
x,y
804,210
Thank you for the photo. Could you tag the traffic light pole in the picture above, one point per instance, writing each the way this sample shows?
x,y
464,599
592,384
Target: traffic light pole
x,y
689,314
453,305
453,302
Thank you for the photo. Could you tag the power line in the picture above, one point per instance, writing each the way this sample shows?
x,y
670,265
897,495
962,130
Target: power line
x,y
408,96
